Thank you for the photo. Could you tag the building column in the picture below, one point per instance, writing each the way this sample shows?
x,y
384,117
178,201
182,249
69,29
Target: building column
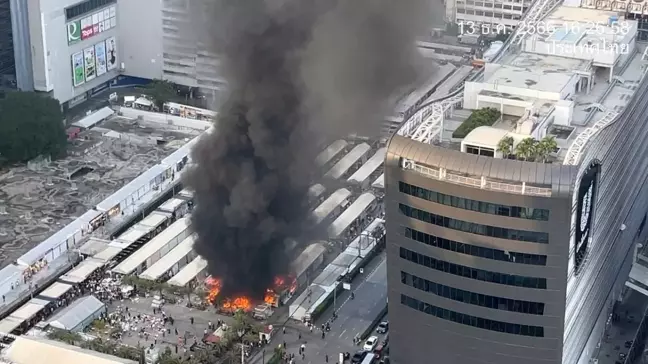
x,y
611,74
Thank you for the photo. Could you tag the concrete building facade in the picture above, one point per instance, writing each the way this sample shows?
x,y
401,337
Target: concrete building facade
x,y
75,47
479,273
496,256
494,260
487,13
163,44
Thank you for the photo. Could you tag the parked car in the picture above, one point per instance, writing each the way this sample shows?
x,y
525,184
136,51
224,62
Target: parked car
x,y
358,357
383,327
370,344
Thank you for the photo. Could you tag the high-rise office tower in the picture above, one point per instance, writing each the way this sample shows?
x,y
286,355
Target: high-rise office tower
x,y
500,251
15,58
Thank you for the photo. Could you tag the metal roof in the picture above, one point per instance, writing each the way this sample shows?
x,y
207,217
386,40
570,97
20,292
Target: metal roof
x,y
165,263
31,349
94,118
350,215
188,272
76,313
331,151
140,256
344,164
370,166
331,203
141,181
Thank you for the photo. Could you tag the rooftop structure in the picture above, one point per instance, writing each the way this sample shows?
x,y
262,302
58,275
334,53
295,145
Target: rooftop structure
x,y
37,200
335,201
29,350
355,211
331,152
155,249
369,168
78,315
592,35
171,261
357,154
189,272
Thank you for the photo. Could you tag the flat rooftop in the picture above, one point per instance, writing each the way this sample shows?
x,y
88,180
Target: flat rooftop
x,y
585,33
39,199
567,14
534,71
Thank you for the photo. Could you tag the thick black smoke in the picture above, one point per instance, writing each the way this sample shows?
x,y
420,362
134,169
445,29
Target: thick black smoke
x,y
298,72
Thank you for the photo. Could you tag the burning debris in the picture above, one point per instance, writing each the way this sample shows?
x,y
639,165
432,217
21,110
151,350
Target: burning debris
x,y
283,287
297,72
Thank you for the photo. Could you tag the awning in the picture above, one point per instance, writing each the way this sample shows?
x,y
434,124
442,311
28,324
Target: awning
x,y
56,290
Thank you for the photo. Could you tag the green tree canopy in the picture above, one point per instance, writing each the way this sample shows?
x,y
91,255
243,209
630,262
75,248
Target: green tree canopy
x,y
31,124
482,117
162,91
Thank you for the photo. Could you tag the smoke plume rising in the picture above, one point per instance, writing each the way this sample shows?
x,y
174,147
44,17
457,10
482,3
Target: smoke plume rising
x,y
298,72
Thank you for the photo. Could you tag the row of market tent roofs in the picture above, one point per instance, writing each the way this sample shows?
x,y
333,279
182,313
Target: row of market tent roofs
x,y
320,288
143,188
169,251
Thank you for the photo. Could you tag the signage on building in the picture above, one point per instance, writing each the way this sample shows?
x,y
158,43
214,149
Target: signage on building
x,y
94,61
90,26
74,31
78,70
586,202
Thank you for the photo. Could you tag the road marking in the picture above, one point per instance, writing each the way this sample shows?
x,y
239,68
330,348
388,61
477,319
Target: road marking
x,y
342,333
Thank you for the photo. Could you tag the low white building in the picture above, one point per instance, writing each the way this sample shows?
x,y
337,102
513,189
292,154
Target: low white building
x,y
485,12
529,83
597,36
539,83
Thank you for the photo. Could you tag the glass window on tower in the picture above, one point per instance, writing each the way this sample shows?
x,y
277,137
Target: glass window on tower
x,y
7,58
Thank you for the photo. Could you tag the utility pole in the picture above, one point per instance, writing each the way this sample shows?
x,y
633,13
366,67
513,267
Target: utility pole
x,y
242,353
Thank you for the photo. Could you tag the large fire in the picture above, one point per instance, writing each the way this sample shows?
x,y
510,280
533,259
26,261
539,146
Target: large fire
x,y
281,285
238,303
214,285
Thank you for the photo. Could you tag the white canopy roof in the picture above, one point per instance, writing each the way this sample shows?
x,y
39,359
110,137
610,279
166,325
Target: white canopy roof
x,y
76,313
29,309
31,350
83,270
189,272
56,290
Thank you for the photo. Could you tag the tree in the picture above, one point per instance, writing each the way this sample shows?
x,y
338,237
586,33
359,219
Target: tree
x,y
526,149
167,357
186,290
161,287
65,336
545,147
162,91
482,117
505,146
31,125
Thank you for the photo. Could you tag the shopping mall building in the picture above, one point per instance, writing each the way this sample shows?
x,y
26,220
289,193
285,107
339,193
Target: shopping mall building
x,y
80,48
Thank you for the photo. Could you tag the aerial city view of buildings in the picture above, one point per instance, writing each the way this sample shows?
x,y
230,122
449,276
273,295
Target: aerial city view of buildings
x,y
171,195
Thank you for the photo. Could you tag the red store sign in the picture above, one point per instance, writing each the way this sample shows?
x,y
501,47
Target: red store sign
x,y
88,32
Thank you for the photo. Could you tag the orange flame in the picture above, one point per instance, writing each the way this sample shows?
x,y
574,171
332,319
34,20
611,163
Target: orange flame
x,y
271,298
239,303
214,286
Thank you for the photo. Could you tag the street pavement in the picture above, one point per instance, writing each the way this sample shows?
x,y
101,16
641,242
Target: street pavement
x,y
354,315
631,312
182,316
